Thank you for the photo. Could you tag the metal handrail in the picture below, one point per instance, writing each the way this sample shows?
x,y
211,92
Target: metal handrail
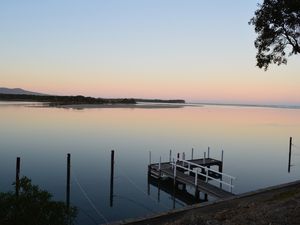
x,y
203,167
206,175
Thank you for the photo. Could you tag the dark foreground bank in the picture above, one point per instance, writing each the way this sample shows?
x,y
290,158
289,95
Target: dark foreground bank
x,y
277,205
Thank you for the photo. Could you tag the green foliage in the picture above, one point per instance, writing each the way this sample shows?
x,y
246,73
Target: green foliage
x,y
277,23
33,206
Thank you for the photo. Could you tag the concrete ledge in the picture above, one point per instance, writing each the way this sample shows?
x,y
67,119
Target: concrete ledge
x,y
178,212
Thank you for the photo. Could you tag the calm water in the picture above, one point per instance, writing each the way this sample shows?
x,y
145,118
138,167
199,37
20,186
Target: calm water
x,y
254,140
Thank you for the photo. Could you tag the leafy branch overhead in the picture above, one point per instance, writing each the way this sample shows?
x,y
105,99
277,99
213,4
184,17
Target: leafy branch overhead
x,y
277,23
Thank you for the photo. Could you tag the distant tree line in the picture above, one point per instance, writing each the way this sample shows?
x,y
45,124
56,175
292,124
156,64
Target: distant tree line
x,y
65,100
53,100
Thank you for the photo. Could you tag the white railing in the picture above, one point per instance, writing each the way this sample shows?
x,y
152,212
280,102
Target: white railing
x,y
197,171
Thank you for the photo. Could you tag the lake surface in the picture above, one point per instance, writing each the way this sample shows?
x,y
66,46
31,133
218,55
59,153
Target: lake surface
x,y
255,141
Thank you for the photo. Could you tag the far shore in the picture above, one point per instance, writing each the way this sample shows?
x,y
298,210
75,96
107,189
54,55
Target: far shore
x,y
80,102
131,106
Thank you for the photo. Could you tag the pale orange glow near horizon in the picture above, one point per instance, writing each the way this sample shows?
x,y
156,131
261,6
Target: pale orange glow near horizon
x,y
266,87
137,55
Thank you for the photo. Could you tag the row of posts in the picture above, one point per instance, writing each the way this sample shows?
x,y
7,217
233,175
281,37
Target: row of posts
x,y
222,156
68,185
183,156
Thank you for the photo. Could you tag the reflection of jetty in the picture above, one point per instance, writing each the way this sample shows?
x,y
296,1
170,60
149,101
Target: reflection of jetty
x,y
175,192
196,173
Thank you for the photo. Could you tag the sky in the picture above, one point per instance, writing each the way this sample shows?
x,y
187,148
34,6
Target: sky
x,y
197,50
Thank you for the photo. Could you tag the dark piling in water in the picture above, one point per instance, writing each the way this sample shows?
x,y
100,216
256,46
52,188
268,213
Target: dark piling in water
x,y
112,161
18,162
290,154
68,188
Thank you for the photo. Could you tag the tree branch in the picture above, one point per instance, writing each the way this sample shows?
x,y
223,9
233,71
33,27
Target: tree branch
x,y
297,48
295,45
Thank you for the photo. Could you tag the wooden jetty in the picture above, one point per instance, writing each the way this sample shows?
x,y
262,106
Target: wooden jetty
x,y
196,173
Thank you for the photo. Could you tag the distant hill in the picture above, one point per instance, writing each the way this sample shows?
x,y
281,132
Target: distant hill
x,y
17,91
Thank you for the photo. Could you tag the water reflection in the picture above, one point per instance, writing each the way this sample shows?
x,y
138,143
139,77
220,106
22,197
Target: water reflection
x,y
175,192
254,140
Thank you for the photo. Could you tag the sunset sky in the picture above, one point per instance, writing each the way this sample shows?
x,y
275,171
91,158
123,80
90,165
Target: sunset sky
x,y
200,51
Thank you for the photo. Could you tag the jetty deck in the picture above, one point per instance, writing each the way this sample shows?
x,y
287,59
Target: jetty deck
x,y
196,173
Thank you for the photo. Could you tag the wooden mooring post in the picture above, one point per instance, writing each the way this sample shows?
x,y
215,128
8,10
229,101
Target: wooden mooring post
x,y
221,167
18,162
197,192
174,197
290,154
68,188
112,162
149,157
